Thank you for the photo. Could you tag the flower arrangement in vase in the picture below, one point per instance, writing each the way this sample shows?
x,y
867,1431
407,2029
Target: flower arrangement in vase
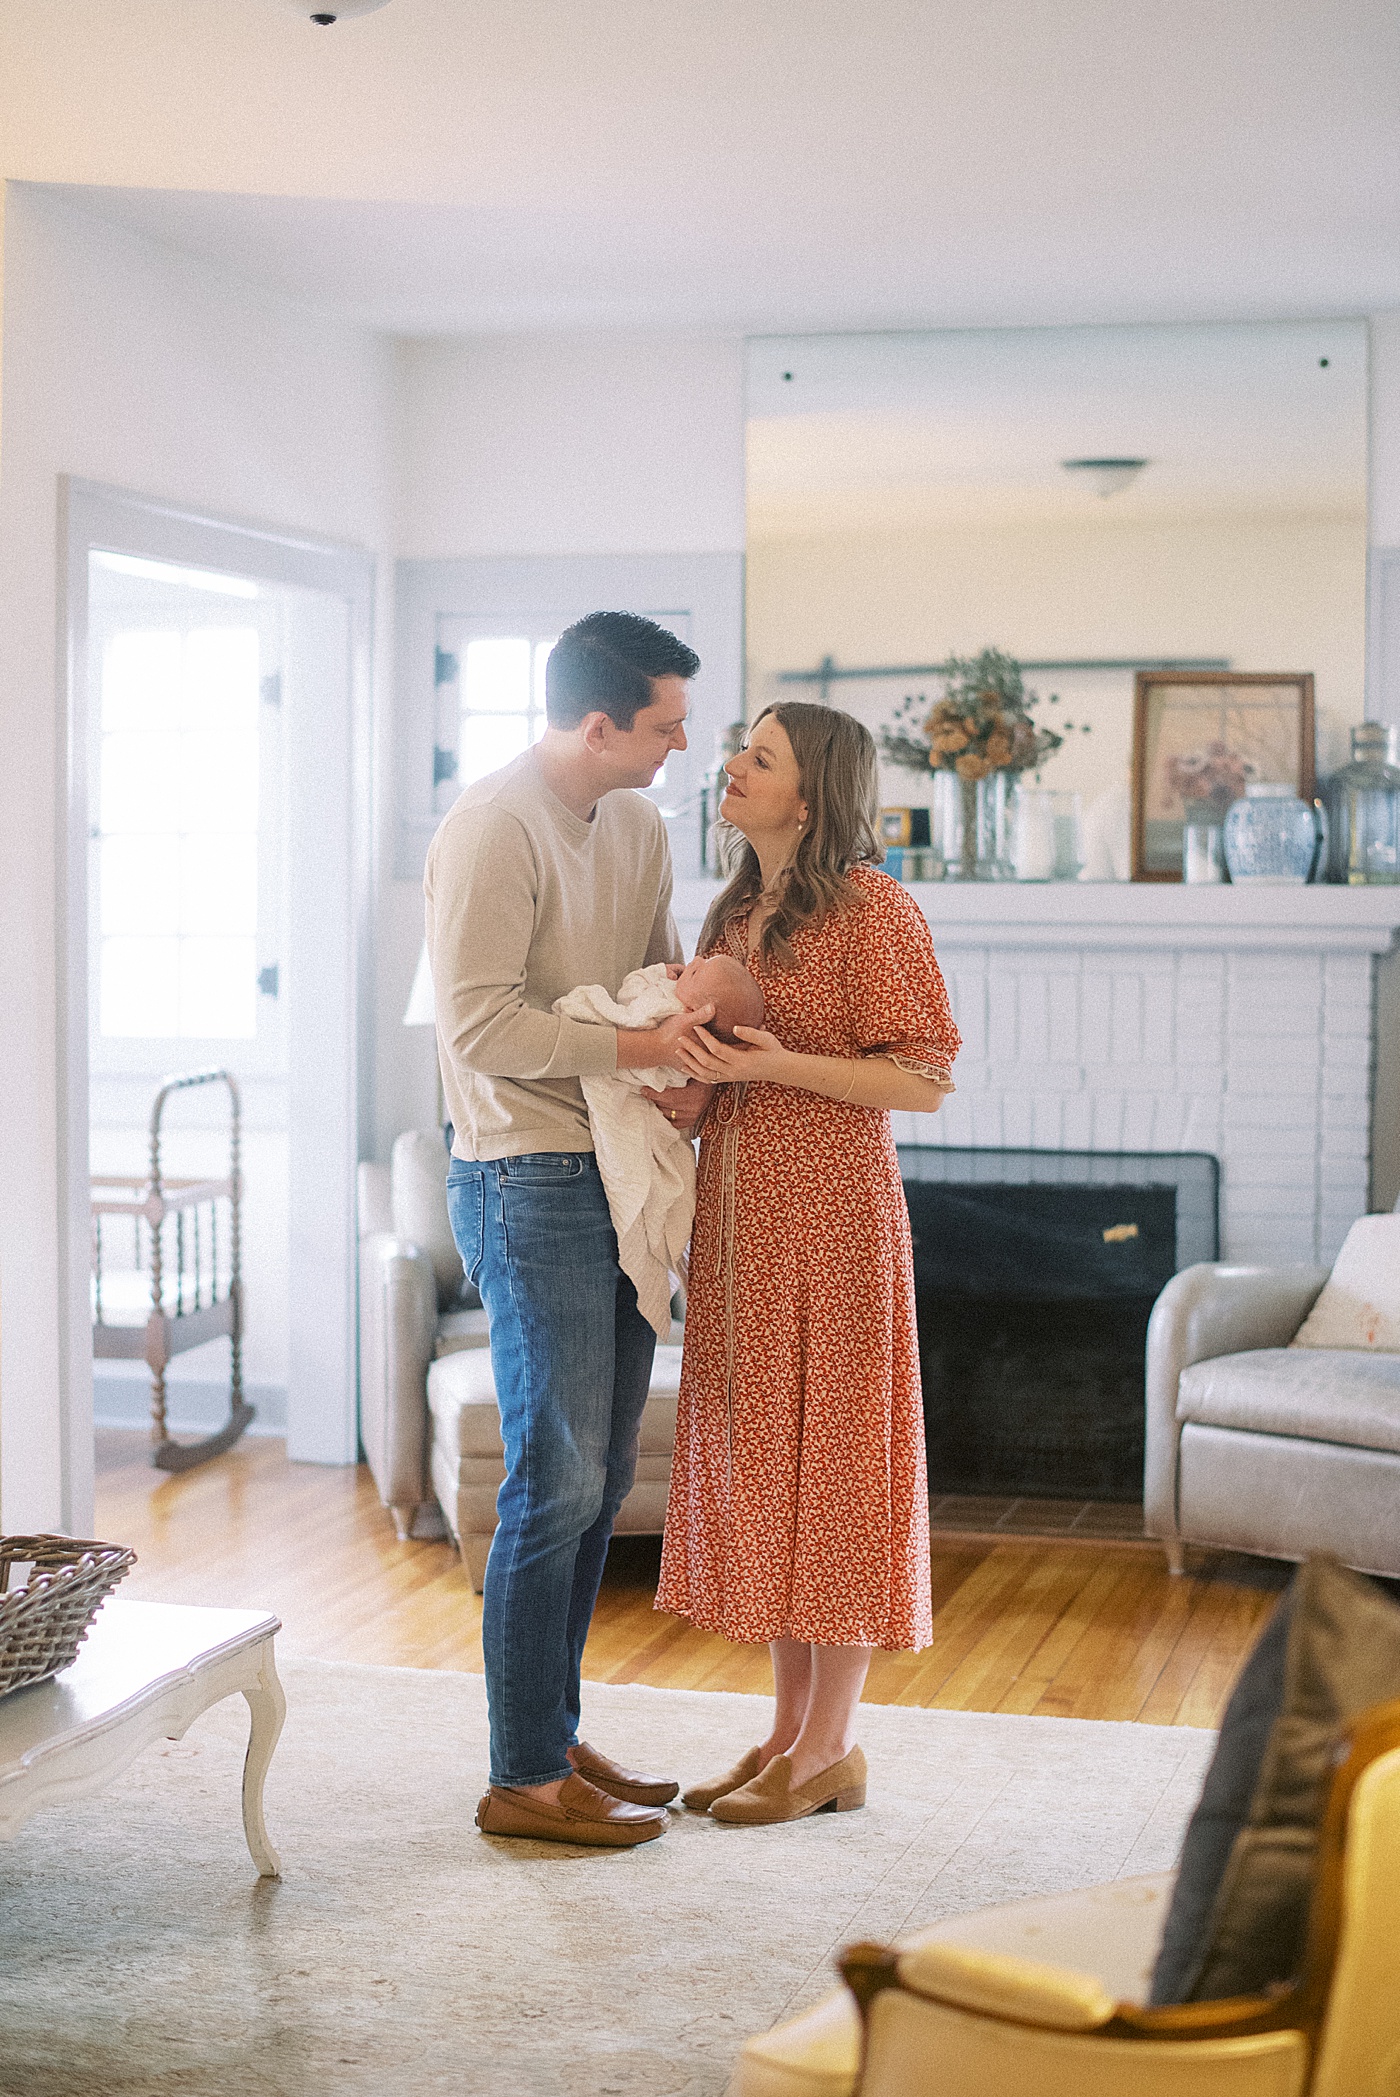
x,y
981,730
1207,781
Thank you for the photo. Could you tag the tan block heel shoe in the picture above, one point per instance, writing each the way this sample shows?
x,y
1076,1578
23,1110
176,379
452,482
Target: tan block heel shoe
x,y
771,1796
701,1797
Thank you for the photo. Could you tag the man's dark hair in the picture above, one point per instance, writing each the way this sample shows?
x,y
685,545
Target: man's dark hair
x,y
604,664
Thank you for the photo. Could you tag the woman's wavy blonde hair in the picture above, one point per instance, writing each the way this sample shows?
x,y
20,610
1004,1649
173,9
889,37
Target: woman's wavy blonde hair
x,y
836,767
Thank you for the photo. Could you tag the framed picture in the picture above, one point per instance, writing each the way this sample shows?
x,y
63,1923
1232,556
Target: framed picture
x,y
1199,738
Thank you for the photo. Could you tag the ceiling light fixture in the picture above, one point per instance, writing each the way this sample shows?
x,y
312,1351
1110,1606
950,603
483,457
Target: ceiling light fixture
x,y
337,11
1106,476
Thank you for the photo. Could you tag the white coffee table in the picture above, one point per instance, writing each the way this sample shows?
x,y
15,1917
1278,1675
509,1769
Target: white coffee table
x,y
145,1671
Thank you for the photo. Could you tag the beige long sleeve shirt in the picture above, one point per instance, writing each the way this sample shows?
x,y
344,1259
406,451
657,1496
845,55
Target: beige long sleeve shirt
x,y
524,900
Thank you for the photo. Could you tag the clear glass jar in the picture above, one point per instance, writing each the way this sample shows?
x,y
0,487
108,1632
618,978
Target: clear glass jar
x,y
1047,834
1202,846
971,821
1363,802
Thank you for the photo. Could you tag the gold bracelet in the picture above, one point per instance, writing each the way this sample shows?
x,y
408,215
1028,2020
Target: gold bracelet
x,y
855,1066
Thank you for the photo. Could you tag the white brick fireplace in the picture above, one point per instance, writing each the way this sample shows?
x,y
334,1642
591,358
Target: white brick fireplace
x,y
1127,1018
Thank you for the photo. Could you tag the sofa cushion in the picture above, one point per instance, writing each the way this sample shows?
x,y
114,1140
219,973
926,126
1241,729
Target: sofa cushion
x,y
462,1398
1315,1395
459,1329
1238,1919
1360,1301
418,1174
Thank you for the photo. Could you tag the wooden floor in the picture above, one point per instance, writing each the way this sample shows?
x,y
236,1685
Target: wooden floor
x,y
1071,1629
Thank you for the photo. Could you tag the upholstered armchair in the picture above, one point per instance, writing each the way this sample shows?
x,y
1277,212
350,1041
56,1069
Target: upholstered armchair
x,y
411,1312
428,1416
1257,1445
1043,1998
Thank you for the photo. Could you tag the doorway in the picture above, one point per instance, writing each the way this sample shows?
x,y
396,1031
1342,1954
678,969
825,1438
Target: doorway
x,y
187,932
217,895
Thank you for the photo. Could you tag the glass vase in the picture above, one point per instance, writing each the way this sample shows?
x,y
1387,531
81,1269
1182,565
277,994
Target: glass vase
x,y
972,826
1203,843
1363,802
1046,834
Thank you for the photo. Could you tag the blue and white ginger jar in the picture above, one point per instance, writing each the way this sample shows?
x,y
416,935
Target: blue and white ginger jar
x,y
1273,837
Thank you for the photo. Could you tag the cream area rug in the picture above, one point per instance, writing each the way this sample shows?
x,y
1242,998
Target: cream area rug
x,y
404,1952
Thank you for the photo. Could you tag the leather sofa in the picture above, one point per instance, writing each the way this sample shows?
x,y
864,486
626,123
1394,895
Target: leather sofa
x,y
1256,1446
428,1417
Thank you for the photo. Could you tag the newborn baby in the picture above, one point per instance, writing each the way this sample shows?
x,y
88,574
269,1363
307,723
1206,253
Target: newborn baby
x,y
725,983
647,1164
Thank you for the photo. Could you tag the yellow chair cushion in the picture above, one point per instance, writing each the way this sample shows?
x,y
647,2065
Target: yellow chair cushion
x,y
814,2055
998,1986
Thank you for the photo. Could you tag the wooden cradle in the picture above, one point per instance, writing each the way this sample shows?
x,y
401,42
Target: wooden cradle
x,y
182,1251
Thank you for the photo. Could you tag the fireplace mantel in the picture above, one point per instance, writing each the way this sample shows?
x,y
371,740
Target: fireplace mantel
x,y
1146,914
1123,1017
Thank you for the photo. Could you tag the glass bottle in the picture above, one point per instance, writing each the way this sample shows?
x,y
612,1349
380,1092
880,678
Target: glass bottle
x,y
1363,801
727,744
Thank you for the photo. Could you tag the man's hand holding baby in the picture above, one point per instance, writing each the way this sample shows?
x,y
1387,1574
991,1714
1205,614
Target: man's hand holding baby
x,y
639,1048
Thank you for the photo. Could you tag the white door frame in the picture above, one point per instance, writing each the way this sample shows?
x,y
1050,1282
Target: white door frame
x,y
330,1058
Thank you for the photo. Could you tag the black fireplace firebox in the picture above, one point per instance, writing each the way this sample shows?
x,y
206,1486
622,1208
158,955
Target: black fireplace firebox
x,y
1035,1273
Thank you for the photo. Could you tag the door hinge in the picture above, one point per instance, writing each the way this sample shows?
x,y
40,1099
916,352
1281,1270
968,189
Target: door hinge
x,y
444,667
444,765
267,981
271,688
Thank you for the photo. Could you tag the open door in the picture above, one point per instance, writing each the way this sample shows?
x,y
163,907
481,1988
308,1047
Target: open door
x,y
217,894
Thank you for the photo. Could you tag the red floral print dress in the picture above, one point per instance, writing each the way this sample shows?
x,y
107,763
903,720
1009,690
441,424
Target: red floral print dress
x,y
799,1498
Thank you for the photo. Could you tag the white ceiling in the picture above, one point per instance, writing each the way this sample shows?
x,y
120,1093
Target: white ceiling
x,y
741,165
876,431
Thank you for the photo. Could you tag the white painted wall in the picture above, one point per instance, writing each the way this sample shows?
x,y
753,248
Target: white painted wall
x,y
1385,429
552,445
125,363
1383,636
571,444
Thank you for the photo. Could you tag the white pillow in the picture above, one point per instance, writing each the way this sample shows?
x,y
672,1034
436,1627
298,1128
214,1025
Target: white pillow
x,y
418,1179
1360,1301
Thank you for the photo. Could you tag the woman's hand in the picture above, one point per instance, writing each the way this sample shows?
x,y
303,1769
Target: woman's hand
x,y
763,1061
859,1081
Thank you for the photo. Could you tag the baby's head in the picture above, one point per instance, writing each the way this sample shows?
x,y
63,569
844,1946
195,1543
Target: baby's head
x,y
726,984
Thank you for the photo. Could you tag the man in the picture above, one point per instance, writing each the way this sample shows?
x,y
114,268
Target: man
x,y
547,874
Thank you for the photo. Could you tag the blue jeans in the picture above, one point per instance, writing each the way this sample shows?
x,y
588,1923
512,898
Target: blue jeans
x,y
572,1356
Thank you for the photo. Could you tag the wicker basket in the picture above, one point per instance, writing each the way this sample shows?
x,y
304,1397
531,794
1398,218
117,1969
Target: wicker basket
x,y
43,1623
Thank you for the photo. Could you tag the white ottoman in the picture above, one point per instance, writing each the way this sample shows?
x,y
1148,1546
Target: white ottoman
x,y
467,1462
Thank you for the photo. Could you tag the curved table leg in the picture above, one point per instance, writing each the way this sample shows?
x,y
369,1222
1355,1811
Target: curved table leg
x,y
267,1707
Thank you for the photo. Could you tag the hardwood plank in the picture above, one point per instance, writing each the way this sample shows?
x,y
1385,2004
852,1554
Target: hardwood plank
x,y
1093,1600
1098,1651
1208,1692
988,1674
1070,1627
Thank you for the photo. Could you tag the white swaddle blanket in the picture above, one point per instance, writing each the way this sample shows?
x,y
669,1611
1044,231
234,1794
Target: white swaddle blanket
x,y
647,1165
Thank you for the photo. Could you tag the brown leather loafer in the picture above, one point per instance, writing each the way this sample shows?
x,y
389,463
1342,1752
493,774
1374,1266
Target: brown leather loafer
x,y
581,1814
700,1797
772,1796
606,1775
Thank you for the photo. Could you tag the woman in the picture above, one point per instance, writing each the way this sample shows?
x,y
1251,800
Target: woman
x,y
799,1505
